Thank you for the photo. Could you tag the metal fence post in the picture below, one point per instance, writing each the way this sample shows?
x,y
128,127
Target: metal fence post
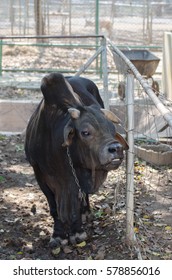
x,y
130,156
105,73
0,57
97,29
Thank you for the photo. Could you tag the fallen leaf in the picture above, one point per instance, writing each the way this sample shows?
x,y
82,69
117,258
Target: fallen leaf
x,y
2,137
56,251
42,233
28,247
82,244
146,217
136,230
19,147
64,242
147,223
168,228
12,257
105,224
100,254
159,225
99,213
20,253
168,251
155,254
2,179
67,250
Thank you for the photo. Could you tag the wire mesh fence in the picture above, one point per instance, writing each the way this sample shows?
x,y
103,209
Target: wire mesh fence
x,y
125,22
151,170
30,56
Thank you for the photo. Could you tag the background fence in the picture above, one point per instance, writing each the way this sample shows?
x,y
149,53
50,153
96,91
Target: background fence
x,y
130,23
149,161
138,22
149,174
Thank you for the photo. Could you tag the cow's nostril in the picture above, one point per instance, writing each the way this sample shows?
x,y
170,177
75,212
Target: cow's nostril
x,y
112,148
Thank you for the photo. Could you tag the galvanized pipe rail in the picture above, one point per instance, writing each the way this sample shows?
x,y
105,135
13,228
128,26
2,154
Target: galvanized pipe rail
x,y
100,50
41,44
51,37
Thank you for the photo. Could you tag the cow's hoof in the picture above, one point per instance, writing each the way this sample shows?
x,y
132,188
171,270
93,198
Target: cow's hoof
x,y
78,237
87,217
57,241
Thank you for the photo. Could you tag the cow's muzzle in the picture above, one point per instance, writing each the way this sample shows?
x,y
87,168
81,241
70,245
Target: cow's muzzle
x,y
112,156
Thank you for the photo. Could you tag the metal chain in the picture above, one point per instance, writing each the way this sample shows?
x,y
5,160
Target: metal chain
x,y
81,194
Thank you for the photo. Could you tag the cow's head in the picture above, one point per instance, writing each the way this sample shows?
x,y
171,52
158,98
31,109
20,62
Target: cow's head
x,y
92,130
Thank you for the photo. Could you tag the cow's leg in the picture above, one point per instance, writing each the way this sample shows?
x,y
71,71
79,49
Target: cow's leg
x,y
77,232
85,208
58,231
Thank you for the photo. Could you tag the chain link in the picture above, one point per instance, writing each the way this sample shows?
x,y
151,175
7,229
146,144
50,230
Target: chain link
x,y
81,194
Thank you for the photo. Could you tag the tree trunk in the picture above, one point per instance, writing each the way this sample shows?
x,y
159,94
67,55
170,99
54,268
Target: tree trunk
x,y
39,21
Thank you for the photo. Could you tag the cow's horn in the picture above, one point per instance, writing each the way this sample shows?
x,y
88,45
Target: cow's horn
x,y
75,113
111,116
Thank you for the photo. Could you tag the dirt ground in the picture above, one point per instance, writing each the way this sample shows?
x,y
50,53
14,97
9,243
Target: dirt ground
x,y
26,226
25,223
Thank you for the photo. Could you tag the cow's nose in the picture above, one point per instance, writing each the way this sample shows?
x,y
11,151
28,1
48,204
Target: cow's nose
x,y
114,148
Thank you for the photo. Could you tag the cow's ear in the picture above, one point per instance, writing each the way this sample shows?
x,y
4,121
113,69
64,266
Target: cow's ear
x,y
69,130
122,141
110,116
68,134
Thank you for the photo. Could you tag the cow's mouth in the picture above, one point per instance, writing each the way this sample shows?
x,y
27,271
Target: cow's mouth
x,y
113,164
116,161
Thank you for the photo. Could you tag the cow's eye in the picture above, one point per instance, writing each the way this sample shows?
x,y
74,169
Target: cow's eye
x,y
85,133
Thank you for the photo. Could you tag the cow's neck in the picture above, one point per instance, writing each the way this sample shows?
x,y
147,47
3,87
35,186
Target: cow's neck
x,y
81,194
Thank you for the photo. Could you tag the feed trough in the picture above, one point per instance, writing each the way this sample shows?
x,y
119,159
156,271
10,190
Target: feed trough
x,y
145,62
158,154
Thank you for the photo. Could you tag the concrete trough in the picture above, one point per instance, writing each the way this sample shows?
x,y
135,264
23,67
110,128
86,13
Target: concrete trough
x,y
14,115
160,154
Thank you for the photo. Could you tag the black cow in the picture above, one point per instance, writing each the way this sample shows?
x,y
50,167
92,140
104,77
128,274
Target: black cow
x,y
71,143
